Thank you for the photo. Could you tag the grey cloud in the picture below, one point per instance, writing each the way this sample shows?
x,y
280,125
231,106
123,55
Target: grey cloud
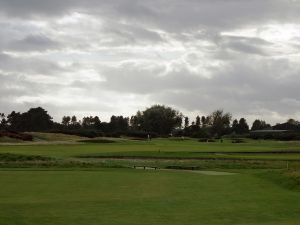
x,y
29,65
130,34
169,14
245,44
32,8
241,87
173,52
33,42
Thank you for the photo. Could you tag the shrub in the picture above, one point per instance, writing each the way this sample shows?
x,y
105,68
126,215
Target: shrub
x,y
237,140
97,141
206,140
17,135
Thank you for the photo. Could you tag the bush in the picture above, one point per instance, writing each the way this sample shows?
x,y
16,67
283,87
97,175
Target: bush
x,y
206,140
16,135
237,140
114,134
283,136
97,141
140,134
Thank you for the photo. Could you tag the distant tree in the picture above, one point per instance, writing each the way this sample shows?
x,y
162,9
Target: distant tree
x,y
243,126
136,121
119,123
186,122
159,119
203,121
37,119
219,123
260,125
133,123
198,123
66,120
14,121
293,122
97,123
73,123
235,126
2,121
74,120
88,122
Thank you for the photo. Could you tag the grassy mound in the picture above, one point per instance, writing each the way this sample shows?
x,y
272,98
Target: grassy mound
x,y
38,136
287,178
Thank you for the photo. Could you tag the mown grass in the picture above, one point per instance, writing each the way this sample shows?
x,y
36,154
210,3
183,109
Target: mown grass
x,y
156,145
129,197
68,184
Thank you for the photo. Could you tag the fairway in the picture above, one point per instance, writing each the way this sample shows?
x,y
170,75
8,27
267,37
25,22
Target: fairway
x,y
195,183
190,148
112,196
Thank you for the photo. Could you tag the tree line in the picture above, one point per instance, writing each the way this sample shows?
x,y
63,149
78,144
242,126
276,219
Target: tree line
x,y
157,120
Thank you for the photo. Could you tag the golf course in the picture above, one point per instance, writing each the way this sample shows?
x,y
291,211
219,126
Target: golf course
x,y
68,180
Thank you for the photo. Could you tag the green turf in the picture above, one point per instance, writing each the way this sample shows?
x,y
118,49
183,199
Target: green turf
x,y
165,148
73,189
129,197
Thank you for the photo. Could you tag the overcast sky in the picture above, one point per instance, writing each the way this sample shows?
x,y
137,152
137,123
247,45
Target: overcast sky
x,y
97,57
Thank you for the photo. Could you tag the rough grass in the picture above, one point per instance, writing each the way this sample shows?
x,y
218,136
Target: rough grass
x,y
6,139
8,157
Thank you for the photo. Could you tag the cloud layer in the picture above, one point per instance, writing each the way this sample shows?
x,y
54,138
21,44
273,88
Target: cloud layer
x,y
115,57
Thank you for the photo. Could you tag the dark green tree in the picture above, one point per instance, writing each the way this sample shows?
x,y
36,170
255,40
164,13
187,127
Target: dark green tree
x,y
235,126
66,120
37,119
159,119
260,125
186,122
219,123
119,123
97,123
243,126
198,121
240,127
74,120
2,121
